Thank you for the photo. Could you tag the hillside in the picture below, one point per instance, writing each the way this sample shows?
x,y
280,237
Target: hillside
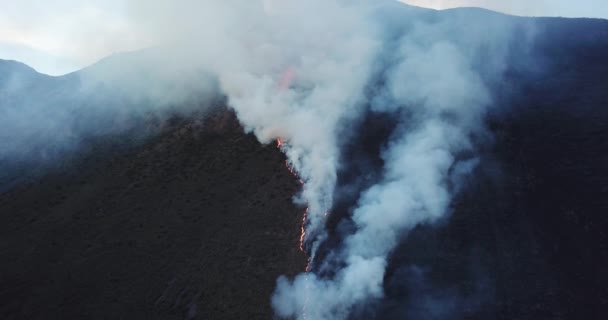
x,y
189,225
175,213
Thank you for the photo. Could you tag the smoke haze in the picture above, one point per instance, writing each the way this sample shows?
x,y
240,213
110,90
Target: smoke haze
x,y
344,61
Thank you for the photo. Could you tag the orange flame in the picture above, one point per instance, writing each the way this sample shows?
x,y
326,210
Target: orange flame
x,y
303,234
280,145
287,79
285,83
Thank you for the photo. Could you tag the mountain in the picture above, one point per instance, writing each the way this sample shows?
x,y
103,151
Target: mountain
x,y
45,119
188,225
43,61
527,238
177,213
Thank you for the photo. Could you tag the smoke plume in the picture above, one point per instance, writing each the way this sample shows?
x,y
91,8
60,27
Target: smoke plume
x,y
310,73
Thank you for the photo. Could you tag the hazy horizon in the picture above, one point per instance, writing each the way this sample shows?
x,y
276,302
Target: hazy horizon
x,y
69,35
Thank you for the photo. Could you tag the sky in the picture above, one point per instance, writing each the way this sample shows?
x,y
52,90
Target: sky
x,y
556,8
60,36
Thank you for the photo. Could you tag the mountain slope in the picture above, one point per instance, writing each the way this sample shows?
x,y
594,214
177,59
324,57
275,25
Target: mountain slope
x,y
190,225
527,237
157,216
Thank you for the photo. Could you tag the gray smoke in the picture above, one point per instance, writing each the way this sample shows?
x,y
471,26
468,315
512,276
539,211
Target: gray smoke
x,y
307,72
433,84
44,118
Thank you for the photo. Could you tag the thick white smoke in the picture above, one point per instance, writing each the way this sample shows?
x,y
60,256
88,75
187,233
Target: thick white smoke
x,y
337,50
330,80
433,81
346,58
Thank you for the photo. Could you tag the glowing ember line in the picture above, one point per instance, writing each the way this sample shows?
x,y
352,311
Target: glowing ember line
x,y
303,234
280,145
293,172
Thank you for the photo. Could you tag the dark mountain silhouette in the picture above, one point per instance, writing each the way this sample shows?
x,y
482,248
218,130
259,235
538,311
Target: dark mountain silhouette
x,y
527,238
196,223
173,215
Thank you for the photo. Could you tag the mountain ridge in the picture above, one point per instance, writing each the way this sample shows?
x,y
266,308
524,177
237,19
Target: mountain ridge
x,y
152,226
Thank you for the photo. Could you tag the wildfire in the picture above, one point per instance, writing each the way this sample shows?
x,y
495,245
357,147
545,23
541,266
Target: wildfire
x,y
303,238
285,83
280,145
303,234
287,79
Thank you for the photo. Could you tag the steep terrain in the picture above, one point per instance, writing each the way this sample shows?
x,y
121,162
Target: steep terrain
x,y
195,224
527,237
186,217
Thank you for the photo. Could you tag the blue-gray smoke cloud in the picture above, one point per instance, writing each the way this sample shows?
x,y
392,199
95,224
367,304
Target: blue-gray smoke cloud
x,y
433,83
45,119
307,72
